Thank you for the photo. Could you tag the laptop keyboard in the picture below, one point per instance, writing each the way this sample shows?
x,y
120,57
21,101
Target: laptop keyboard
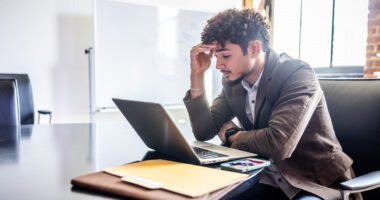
x,y
204,153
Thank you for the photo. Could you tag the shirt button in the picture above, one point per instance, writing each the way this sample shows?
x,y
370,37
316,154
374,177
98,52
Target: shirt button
x,y
279,180
253,101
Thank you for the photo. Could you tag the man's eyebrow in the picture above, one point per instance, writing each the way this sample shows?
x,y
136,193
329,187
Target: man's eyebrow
x,y
222,49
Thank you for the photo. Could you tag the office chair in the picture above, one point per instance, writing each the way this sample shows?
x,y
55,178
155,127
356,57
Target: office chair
x,y
354,106
9,112
26,98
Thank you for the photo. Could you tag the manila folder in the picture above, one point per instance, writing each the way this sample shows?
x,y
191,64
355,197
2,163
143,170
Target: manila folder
x,y
185,179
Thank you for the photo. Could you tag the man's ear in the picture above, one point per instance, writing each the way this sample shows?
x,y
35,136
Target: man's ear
x,y
254,48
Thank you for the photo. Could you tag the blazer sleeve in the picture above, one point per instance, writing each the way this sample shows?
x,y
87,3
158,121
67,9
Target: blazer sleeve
x,y
298,98
205,120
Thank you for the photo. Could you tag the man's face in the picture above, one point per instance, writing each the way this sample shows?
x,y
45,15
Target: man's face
x,y
231,61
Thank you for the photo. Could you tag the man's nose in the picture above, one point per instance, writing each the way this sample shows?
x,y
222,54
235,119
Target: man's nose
x,y
219,64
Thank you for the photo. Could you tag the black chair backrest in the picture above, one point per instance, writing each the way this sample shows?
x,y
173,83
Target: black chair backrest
x,y
354,106
25,96
9,113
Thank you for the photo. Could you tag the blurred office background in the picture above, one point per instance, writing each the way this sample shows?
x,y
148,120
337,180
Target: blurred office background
x,y
47,39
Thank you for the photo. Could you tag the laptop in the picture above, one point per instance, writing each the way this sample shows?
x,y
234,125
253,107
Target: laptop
x,y
158,132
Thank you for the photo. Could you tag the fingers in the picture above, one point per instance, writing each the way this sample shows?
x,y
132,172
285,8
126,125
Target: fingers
x,y
212,45
202,48
222,136
200,59
225,126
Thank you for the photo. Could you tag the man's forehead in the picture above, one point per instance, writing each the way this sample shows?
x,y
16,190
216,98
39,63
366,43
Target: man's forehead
x,y
220,49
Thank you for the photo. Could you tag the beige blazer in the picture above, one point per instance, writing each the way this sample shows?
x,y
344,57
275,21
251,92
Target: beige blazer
x,y
292,124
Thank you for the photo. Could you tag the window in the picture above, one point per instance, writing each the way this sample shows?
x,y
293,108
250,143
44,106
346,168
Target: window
x,y
329,33
350,35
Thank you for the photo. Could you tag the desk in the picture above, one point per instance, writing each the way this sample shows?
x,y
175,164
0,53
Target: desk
x,y
38,161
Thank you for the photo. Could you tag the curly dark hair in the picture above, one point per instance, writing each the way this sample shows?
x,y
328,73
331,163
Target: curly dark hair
x,y
238,27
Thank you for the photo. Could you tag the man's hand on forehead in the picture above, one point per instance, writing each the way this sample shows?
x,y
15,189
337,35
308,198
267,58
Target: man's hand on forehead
x,y
210,48
211,44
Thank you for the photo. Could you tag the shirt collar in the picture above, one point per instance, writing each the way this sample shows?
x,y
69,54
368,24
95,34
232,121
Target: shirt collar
x,y
246,85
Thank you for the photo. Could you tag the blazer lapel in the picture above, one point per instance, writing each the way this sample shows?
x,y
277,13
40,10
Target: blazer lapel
x,y
238,101
270,63
260,99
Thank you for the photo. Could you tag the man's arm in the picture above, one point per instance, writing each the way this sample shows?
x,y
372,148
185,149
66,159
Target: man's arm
x,y
206,121
200,60
291,113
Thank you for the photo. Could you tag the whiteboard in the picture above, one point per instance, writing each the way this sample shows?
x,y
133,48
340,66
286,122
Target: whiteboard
x,y
141,52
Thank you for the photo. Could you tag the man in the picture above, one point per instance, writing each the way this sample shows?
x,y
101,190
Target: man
x,y
278,103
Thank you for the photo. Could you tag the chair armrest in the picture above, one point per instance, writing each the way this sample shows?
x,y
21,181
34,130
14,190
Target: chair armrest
x,y
44,112
362,183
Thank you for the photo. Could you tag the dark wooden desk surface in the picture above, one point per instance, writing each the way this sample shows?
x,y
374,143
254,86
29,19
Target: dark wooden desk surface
x,y
38,161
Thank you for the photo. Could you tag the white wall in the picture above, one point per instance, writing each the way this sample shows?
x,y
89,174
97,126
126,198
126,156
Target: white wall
x,y
46,39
